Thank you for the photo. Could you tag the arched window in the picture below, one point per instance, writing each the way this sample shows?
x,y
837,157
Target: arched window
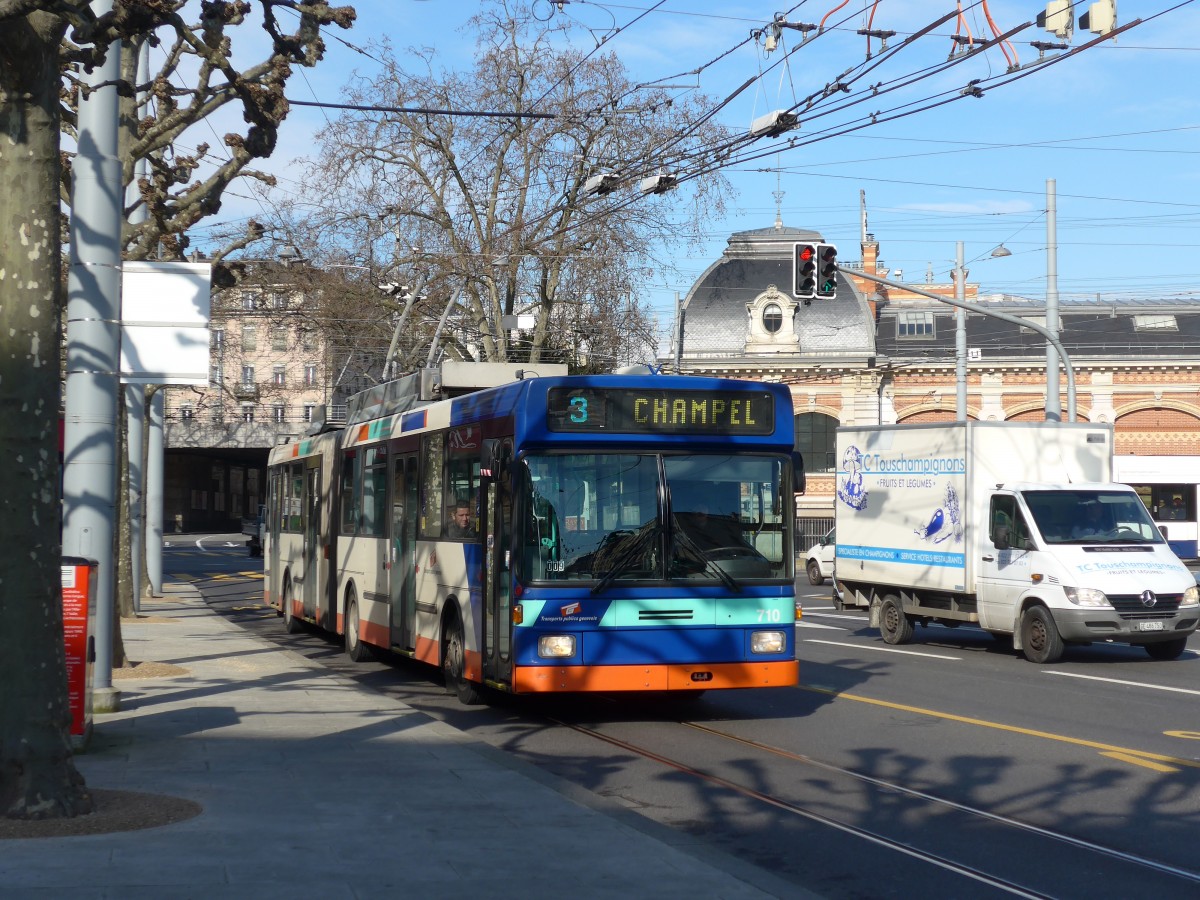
x,y
816,440
772,318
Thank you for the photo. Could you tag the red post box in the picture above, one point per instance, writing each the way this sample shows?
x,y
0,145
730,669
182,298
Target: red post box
x,y
79,637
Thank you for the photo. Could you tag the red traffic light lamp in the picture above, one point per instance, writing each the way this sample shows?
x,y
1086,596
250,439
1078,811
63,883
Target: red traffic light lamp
x,y
804,274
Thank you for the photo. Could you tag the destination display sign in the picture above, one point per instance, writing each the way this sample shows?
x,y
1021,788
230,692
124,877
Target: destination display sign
x,y
659,411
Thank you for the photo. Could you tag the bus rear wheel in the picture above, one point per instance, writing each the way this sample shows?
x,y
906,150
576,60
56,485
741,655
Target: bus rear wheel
x,y
454,661
356,650
291,624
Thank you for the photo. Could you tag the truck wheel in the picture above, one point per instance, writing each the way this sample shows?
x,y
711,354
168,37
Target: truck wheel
x,y
1167,649
1039,636
894,625
814,572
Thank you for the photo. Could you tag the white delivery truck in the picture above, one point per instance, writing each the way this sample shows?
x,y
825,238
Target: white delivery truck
x,y
1016,527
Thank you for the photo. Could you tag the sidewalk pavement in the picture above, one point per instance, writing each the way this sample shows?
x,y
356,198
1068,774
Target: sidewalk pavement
x,y
314,787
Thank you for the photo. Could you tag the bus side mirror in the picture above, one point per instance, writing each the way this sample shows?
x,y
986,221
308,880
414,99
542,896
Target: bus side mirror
x,y
798,472
495,462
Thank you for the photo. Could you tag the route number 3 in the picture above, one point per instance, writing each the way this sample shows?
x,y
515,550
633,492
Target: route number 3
x,y
579,413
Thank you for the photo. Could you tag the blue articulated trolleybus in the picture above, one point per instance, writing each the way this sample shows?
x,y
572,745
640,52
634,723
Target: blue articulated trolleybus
x,y
587,533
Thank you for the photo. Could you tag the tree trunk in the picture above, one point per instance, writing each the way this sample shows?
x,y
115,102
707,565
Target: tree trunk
x,y
38,778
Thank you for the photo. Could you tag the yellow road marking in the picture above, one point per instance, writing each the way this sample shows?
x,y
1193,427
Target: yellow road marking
x,y
1140,757
1125,757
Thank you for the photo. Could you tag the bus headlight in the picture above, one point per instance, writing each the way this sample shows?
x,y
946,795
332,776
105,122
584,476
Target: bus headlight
x,y
1086,596
1191,597
767,642
556,646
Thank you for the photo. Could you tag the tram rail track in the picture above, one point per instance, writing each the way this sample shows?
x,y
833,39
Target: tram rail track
x,y
973,873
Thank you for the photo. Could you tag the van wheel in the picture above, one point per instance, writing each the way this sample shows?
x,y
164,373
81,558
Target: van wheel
x,y
454,663
1165,650
291,624
1039,636
894,625
356,650
814,572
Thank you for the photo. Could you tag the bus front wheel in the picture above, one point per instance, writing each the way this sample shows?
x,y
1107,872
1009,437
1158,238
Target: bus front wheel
x,y
454,659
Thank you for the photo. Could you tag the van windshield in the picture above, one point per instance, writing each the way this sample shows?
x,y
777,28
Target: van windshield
x,y
1092,517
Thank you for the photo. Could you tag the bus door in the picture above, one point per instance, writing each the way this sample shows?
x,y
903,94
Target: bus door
x,y
497,582
272,568
402,544
313,575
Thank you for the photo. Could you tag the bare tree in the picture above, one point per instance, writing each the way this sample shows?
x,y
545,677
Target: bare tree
x,y
37,776
495,182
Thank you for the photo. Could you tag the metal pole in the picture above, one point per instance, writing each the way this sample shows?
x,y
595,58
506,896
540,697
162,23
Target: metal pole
x,y
93,352
154,494
135,402
1053,402
1004,317
960,337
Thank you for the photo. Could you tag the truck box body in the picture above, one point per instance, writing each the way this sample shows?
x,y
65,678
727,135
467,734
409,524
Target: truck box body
x,y
911,497
1014,526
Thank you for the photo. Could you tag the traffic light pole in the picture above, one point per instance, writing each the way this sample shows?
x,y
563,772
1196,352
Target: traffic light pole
x,y
1005,317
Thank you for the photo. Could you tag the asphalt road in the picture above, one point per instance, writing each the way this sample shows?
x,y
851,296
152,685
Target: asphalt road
x,y
950,766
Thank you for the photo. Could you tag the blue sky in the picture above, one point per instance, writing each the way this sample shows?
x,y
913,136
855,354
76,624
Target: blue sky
x,y
1117,128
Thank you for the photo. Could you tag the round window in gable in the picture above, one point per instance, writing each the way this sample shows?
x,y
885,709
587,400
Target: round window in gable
x,y
772,318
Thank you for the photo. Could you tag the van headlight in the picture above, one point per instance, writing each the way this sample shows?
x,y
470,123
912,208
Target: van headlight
x,y
1086,596
556,646
767,642
1191,597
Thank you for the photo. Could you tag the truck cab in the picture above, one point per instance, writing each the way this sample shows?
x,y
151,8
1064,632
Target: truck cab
x,y
1070,563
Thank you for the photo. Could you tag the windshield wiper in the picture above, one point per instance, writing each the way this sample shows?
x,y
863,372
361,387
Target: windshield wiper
x,y
634,547
710,566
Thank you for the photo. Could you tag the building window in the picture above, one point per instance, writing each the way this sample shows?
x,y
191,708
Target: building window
x,y
247,376
218,339
308,339
247,412
249,338
914,324
279,412
186,413
279,300
249,300
772,318
216,376
1155,323
309,409
279,376
310,375
816,441
279,338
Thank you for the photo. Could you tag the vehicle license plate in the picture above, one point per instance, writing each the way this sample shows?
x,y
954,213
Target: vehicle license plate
x,y
1150,626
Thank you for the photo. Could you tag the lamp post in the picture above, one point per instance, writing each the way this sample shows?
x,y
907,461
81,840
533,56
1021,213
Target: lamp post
x,y
1053,404
960,323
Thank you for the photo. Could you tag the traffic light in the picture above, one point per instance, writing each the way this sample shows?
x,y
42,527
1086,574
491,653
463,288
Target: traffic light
x,y
827,270
804,278
1100,18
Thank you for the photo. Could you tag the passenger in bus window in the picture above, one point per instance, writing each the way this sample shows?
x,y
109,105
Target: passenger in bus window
x,y
459,528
